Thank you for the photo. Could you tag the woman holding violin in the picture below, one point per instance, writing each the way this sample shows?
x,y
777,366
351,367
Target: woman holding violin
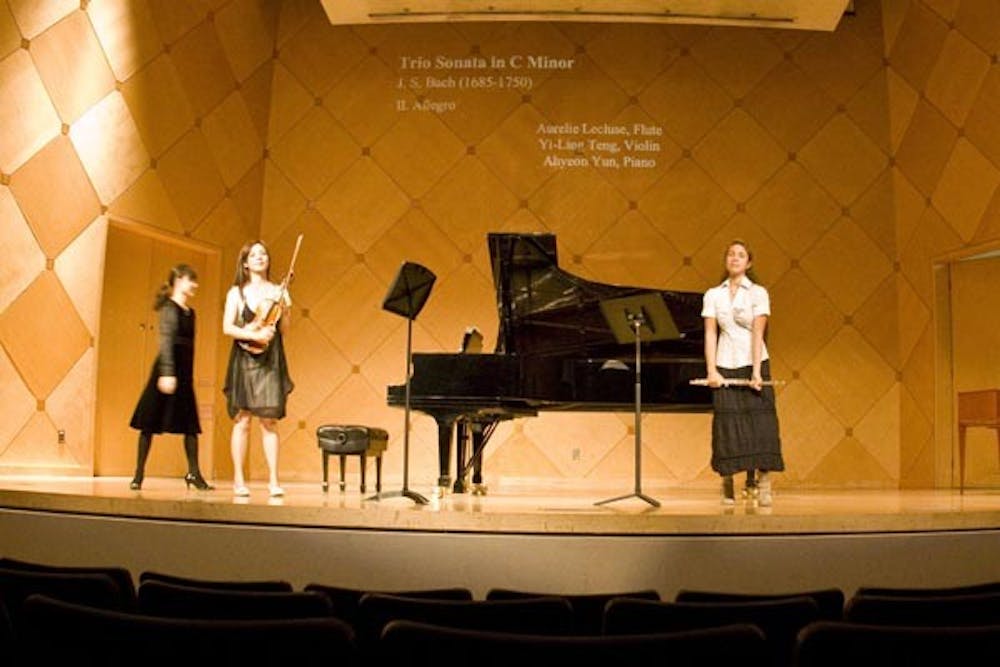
x,y
257,381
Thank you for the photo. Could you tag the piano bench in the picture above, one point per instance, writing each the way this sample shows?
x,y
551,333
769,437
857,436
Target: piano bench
x,y
343,440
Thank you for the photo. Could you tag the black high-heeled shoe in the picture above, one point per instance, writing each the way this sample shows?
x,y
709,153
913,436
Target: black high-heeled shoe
x,y
195,479
136,483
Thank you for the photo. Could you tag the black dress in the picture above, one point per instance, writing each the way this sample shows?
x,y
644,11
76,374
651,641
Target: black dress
x,y
157,412
257,383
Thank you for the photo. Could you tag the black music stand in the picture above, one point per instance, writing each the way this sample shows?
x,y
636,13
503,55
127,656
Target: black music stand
x,y
407,296
628,317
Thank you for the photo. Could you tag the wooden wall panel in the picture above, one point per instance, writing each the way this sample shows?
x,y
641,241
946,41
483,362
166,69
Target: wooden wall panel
x,y
851,160
95,117
757,134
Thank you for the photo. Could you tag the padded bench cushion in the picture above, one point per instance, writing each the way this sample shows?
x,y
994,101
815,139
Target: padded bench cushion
x,y
352,439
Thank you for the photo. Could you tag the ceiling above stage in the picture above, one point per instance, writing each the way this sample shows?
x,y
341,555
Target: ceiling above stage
x,y
791,14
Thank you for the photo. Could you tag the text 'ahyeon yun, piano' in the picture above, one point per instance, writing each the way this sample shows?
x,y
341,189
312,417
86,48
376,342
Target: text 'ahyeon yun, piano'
x,y
552,352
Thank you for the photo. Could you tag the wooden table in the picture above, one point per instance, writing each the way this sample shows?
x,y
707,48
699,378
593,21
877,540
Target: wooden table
x,y
976,408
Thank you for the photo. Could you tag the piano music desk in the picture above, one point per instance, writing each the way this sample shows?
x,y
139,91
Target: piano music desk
x,y
976,408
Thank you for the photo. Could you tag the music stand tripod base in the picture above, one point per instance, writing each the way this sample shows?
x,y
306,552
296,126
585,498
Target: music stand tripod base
x,y
402,493
637,494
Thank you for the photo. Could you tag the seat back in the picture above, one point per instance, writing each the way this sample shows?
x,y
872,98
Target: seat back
x,y
930,610
7,649
543,616
411,644
345,600
829,600
121,576
277,586
588,608
91,636
780,620
971,589
91,588
551,616
158,598
837,644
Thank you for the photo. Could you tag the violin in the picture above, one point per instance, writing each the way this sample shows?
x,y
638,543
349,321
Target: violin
x,y
269,311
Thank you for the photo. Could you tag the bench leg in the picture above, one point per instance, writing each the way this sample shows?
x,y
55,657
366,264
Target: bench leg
x,y
378,471
326,470
343,485
364,464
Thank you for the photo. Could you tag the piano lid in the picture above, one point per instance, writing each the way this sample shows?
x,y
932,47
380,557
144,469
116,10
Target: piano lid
x,y
545,310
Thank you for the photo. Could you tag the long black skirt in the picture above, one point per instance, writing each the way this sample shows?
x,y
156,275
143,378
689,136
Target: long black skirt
x,y
745,426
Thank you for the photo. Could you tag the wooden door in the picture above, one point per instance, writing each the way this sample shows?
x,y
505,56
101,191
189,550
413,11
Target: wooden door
x,y
975,303
136,264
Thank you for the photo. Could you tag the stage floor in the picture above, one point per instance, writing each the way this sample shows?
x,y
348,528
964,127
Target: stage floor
x,y
550,540
518,510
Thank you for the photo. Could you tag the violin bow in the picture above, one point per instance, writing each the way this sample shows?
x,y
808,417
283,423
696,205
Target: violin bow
x,y
291,268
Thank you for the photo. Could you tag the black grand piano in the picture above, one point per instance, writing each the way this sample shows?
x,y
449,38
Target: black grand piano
x,y
552,352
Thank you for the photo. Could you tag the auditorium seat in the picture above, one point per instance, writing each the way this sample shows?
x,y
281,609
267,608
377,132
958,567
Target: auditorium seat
x,y
901,591
91,588
119,575
59,632
929,610
552,616
780,619
543,616
345,600
843,644
7,648
275,585
829,600
158,598
588,608
412,644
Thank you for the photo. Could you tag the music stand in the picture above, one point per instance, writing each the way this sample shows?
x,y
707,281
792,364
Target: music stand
x,y
407,296
628,317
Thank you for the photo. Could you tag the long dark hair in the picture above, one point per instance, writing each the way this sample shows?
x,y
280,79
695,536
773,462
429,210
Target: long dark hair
x,y
242,275
167,288
751,274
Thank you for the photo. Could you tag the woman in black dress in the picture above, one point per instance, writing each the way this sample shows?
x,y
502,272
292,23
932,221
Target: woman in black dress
x,y
745,423
167,404
257,380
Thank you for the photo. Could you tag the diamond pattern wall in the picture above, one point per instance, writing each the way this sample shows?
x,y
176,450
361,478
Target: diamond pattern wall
x,y
144,113
943,58
850,160
764,136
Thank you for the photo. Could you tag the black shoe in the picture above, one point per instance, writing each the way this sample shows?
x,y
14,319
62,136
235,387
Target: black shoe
x,y
728,493
195,479
136,483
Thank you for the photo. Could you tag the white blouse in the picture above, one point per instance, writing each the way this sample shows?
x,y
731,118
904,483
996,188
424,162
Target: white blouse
x,y
735,321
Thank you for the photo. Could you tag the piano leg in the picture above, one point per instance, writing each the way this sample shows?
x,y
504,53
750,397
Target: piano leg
x,y
461,441
478,443
446,424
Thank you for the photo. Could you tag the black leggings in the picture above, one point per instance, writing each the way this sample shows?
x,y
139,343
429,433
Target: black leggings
x,y
146,441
